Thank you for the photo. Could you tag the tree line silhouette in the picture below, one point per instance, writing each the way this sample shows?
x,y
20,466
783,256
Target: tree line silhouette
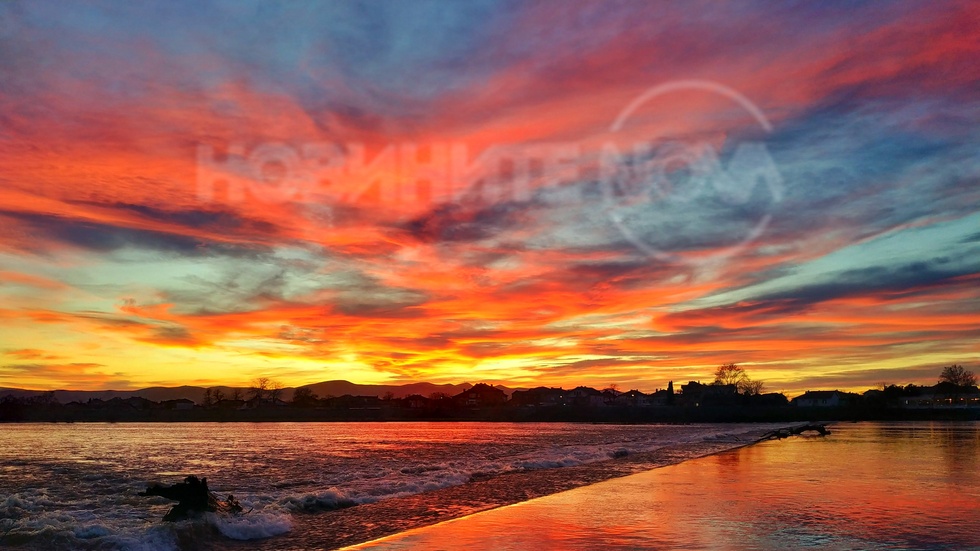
x,y
732,394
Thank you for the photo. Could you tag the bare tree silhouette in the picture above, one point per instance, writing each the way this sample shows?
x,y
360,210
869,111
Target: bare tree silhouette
x,y
956,375
730,374
259,388
752,388
275,391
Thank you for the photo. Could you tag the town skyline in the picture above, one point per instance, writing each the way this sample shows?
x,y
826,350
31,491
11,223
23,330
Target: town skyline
x,y
727,375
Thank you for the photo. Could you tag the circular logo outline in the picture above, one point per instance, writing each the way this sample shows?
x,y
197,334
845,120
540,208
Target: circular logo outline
x,y
666,88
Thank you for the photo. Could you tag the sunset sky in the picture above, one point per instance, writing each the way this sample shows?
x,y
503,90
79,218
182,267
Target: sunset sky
x,y
555,193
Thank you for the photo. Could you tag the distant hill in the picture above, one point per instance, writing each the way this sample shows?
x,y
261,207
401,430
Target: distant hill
x,y
196,393
340,388
157,394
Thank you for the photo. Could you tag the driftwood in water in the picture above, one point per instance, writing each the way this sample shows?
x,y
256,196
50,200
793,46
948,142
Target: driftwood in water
x,y
193,497
792,431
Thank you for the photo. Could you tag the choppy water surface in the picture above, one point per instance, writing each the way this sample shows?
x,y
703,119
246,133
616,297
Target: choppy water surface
x,y
868,486
74,486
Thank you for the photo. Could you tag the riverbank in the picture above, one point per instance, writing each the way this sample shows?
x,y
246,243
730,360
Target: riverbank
x,y
616,415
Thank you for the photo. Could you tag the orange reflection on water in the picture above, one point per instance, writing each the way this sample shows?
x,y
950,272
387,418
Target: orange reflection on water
x,y
867,486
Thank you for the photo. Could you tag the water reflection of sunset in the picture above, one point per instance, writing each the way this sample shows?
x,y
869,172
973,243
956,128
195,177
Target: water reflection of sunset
x,y
867,486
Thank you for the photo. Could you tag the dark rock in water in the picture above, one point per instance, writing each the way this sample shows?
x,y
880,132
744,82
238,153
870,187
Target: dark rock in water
x,y
619,454
193,497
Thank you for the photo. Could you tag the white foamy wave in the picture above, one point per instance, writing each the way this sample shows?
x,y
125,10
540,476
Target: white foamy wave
x,y
252,526
323,501
370,485
22,504
65,531
400,488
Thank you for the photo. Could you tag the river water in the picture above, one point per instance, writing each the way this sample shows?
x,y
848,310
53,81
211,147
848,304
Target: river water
x,y
867,486
308,485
